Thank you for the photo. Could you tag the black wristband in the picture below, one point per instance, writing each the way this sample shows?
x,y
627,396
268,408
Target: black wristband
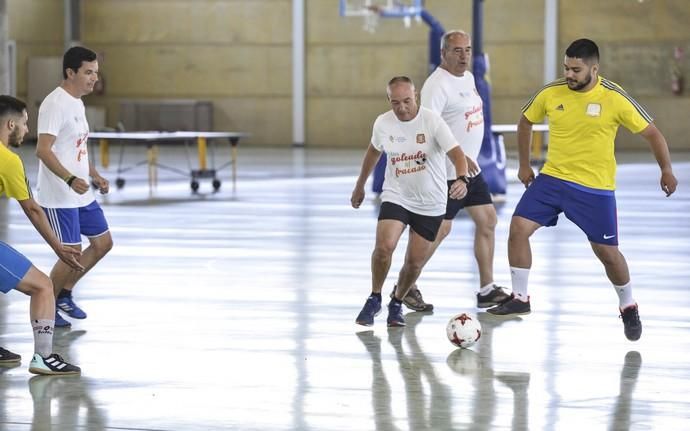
x,y
70,180
464,179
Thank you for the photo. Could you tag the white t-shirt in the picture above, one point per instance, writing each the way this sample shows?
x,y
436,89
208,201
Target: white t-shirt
x,y
415,170
64,117
456,99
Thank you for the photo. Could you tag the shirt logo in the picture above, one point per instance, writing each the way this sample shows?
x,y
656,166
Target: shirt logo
x,y
560,107
594,110
608,236
421,138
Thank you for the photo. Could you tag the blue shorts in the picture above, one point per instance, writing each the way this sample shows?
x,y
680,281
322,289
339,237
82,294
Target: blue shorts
x,y
592,210
13,267
70,223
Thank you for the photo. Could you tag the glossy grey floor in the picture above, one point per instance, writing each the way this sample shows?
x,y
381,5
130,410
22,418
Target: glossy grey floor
x,y
236,311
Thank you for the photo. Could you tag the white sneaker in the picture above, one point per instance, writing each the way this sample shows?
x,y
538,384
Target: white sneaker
x,y
53,365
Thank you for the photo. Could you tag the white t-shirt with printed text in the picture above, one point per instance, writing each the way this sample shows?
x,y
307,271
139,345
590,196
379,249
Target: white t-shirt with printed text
x,y
457,100
415,170
64,116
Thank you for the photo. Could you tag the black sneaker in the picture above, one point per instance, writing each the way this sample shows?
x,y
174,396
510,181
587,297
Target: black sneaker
x,y
631,322
395,316
514,307
413,300
497,296
7,357
53,365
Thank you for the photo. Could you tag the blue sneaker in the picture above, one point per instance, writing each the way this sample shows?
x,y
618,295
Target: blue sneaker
x,y
67,305
60,322
395,316
371,309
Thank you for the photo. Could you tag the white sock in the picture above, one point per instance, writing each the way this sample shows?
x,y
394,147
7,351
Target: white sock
x,y
486,289
43,336
624,292
519,278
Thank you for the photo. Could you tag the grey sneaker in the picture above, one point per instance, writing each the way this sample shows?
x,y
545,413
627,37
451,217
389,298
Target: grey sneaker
x,y
413,300
514,307
497,296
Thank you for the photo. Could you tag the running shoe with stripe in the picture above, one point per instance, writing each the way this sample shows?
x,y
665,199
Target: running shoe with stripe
x,y
67,305
53,365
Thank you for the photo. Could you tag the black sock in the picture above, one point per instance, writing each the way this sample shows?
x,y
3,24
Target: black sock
x,y
376,295
64,293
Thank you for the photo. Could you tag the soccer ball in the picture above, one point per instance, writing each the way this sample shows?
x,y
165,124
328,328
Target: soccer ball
x,y
463,330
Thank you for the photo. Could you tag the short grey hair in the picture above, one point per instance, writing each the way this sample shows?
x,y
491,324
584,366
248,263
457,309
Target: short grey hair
x,y
450,33
399,80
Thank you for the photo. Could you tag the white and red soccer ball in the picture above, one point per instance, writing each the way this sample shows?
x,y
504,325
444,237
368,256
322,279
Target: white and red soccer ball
x,y
463,330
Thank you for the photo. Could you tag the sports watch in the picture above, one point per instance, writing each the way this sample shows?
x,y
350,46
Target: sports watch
x,y
464,179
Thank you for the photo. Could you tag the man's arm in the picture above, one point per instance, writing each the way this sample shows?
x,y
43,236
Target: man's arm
x,y
459,188
35,214
524,138
100,182
371,157
659,147
45,153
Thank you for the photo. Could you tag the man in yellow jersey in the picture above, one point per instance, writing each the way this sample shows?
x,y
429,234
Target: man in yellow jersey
x,y
16,271
578,179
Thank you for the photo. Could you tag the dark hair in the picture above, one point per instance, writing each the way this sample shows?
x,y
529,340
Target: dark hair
x,y
584,49
74,57
11,106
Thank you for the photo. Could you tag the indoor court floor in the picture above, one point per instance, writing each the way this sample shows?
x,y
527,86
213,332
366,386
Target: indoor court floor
x,y
235,311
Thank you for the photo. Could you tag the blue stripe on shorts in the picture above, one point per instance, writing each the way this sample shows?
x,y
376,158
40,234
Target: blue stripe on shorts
x,y
13,267
69,224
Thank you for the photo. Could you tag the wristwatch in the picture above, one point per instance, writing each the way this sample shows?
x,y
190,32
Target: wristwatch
x,y
464,179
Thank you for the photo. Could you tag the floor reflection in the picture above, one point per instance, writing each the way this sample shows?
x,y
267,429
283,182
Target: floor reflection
x,y
425,411
235,312
65,402
620,419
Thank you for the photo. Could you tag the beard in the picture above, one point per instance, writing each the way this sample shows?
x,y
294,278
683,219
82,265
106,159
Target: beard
x,y
14,140
579,85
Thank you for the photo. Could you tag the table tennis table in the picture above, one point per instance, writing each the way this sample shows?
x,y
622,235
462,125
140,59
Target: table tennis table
x,y
153,139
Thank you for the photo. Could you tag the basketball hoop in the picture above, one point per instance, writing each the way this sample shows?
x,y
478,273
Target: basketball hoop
x,y
371,11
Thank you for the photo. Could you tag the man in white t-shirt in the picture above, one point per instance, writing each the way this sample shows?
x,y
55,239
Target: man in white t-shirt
x,y
417,142
63,176
450,91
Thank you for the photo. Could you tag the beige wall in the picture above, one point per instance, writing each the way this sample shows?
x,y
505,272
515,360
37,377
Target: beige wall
x,y
237,53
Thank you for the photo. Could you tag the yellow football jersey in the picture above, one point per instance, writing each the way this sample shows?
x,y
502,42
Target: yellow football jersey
x,y
13,180
582,129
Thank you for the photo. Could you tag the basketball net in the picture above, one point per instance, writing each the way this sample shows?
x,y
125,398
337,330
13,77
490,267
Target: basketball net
x,y
371,19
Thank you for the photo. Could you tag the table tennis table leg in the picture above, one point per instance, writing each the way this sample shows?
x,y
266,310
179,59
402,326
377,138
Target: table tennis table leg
x,y
201,149
233,151
152,158
105,152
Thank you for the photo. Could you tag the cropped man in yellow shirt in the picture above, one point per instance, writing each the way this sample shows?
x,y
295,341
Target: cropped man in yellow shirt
x,y
16,271
584,112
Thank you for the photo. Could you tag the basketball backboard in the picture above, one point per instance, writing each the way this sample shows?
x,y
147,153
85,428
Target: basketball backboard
x,y
372,10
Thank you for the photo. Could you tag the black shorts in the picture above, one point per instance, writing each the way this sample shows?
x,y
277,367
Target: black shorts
x,y
426,226
477,194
